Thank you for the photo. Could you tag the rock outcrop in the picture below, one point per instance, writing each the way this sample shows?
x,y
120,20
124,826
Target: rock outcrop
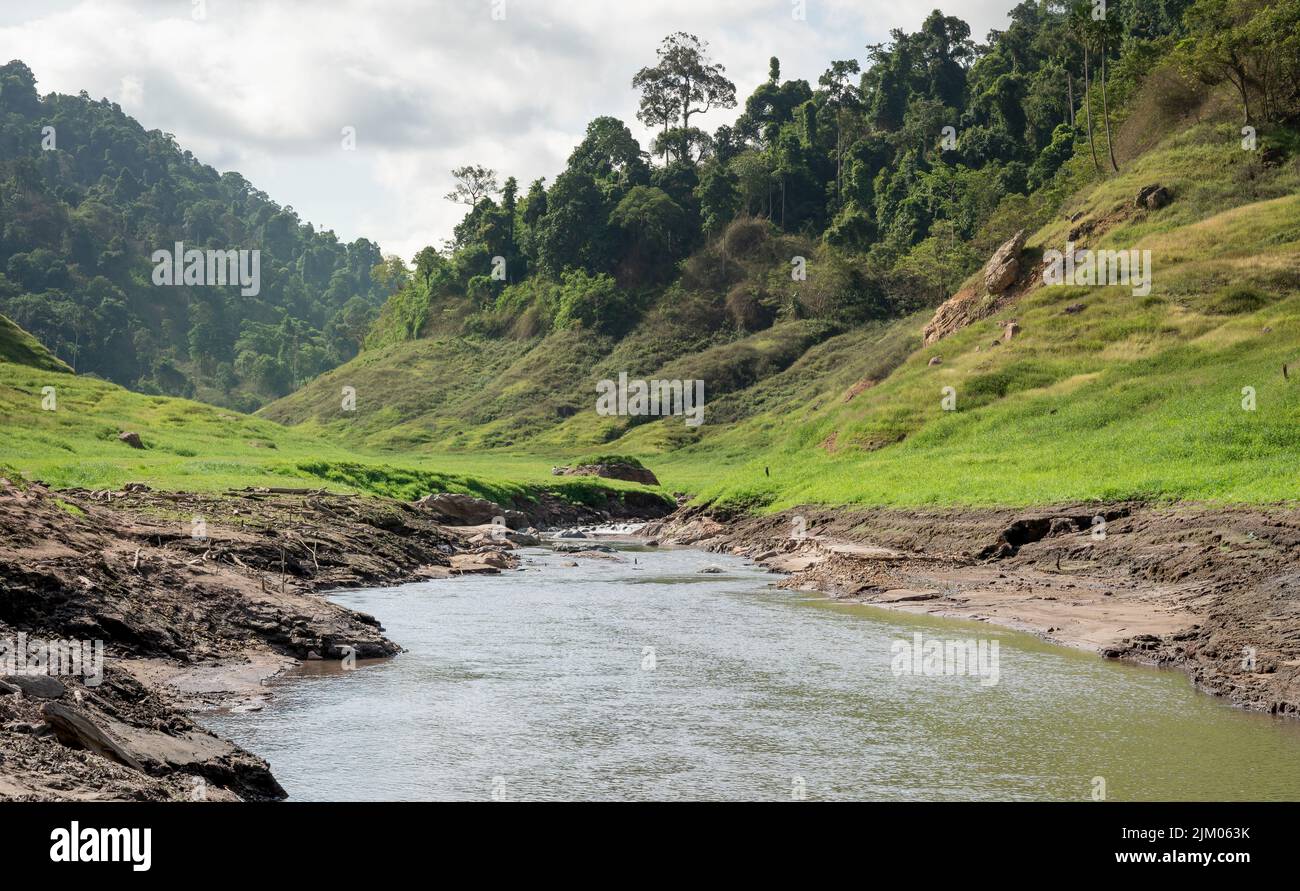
x,y
971,304
455,509
1003,268
1153,197
615,470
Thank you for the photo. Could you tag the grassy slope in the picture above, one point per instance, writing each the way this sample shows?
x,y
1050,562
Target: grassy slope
x,y
20,348
196,447
1132,397
447,394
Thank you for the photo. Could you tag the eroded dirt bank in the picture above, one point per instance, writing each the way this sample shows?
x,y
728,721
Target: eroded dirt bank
x,y
197,600
1212,591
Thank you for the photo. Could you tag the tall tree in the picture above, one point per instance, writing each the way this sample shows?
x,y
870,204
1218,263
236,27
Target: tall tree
x,y
1080,18
1106,30
684,83
474,182
841,95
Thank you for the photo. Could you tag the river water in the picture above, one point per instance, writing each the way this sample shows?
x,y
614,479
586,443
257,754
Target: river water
x,y
647,679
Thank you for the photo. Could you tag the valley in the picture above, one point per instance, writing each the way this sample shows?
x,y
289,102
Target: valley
x,y
1036,381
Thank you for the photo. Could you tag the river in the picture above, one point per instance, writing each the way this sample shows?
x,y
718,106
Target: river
x,y
645,679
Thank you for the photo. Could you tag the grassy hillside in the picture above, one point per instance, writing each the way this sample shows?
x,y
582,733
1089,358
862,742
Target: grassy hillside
x,y
191,446
1131,397
20,348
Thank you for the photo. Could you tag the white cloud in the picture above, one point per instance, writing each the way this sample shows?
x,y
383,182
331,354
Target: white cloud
x,y
266,87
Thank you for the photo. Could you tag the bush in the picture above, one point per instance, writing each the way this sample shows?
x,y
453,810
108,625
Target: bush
x,y
1235,299
749,308
745,237
593,301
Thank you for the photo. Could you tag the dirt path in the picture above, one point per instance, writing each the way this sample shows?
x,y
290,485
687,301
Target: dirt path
x,y
1213,591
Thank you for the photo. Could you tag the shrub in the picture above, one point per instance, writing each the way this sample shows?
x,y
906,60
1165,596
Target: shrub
x,y
1235,299
749,308
745,237
593,301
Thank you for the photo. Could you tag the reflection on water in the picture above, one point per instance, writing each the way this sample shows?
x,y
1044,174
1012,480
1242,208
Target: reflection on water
x,y
650,680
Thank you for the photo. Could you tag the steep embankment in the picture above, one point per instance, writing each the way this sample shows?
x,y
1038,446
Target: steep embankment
x,y
20,348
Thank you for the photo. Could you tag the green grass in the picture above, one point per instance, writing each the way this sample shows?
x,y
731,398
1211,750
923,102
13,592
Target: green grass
x,y
20,348
190,446
1132,397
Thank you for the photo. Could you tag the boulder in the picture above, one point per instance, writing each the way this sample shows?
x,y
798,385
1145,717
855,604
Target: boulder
x,y
496,559
1010,331
132,439
487,562
614,470
454,509
970,304
1004,266
36,686
526,539
1153,197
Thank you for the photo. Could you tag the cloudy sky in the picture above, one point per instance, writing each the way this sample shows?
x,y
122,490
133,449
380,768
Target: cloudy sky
x,y
266,87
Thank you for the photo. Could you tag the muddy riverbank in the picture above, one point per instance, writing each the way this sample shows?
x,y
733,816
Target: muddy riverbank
x,y
197,600
1212,591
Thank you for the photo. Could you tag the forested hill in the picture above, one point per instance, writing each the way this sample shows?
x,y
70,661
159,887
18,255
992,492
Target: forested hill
x,y
824,214
899,168
87,195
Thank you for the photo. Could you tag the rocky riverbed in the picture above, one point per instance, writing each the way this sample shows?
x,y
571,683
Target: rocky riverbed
x,y
197,600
